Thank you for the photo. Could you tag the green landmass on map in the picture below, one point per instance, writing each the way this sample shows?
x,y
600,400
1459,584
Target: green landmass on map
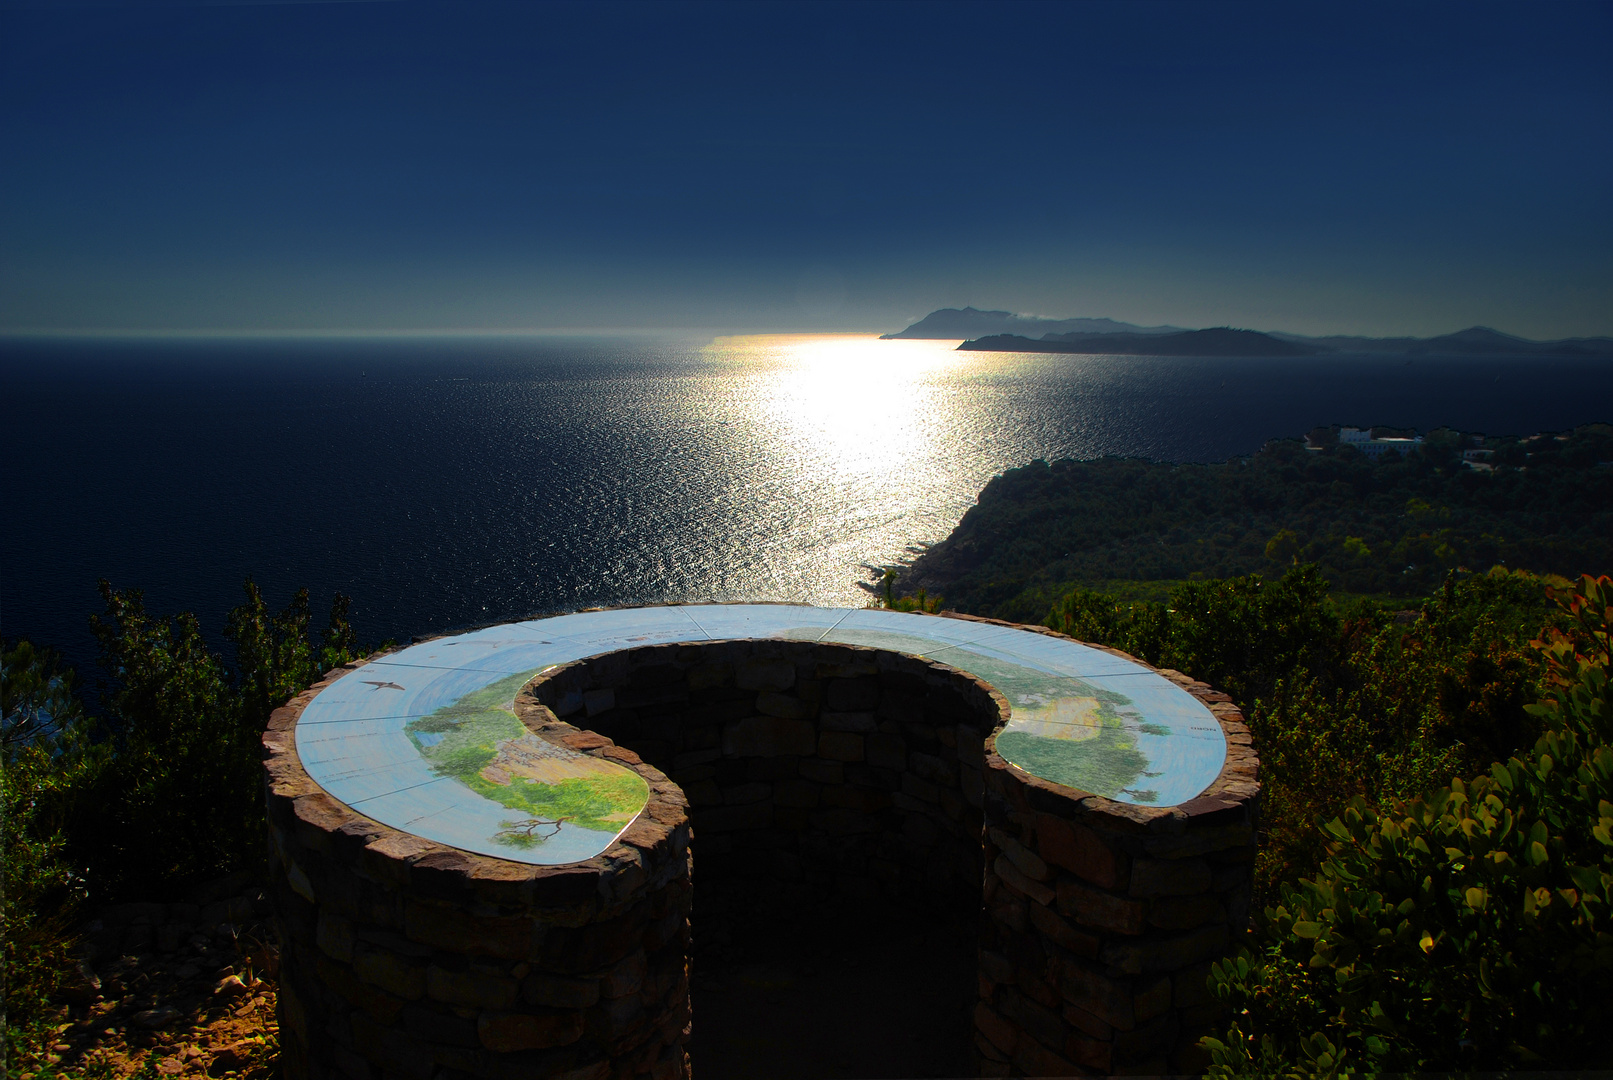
x,y
479,742
1100,756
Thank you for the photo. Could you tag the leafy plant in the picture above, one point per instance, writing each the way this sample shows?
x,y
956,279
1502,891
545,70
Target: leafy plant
x,y
1469,928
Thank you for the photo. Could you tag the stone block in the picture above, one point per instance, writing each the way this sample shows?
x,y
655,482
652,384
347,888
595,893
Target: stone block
x,y
506,1033
887,751
920,789
1093,1053
1009,874
704,793
1146,1043
796,793
866,800
758,673
1186,912
820,771
768,736
1191,987
1090,907
715,819
840,746
1028,862
344,984
1062,933
998,1031
703,676
1170,877
439,1027
773,703
391,972
559,992
995,966
451,930
334,936
987,1049
627,977
1153,999
739,794
920,831
1165,954
1038,1021
1077,849
862,723
1037,1060
472,988
932,768
1102,997
1085,1022
860,694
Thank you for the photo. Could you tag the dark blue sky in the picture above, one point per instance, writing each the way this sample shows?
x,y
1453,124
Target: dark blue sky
x,y
1355,168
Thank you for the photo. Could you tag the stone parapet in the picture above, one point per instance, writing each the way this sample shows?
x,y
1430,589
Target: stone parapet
x,y
405,958
1101,918
814,774
818,773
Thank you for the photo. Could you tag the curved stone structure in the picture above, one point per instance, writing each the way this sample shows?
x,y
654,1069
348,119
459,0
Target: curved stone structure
x,y
830,756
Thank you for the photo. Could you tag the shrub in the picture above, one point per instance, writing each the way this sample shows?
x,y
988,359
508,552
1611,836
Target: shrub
x,y
1469,928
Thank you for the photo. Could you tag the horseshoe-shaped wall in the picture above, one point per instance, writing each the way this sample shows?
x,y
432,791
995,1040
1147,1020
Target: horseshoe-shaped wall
x,y
440,938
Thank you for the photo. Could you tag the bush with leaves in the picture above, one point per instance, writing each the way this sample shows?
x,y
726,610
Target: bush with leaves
x,y
1466,929
47,762
185,732
162,792
1343,701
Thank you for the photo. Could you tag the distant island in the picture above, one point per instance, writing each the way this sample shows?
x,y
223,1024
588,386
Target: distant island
x,y
950,323
1003,331
1220,341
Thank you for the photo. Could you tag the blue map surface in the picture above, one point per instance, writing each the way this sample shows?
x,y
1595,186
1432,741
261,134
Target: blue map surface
x,y
425,739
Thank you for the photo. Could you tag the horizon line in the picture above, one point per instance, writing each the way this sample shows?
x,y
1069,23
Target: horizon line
x,y
412,332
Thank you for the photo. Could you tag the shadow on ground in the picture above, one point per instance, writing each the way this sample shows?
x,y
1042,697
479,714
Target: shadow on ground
x,y
805,997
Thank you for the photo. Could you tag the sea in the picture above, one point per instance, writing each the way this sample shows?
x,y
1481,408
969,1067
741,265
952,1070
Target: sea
x,y
448,482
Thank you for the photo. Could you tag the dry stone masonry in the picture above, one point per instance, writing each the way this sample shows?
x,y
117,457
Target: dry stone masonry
x,y
813,774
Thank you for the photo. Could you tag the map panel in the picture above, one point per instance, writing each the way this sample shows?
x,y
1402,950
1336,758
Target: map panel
x,y
426,739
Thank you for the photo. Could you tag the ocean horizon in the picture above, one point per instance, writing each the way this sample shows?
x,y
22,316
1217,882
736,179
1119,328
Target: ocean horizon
x,y
445,481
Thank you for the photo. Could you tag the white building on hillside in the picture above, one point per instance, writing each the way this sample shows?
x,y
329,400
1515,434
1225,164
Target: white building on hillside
x,y
1376,448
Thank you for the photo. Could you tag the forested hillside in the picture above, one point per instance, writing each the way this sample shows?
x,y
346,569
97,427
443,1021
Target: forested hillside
x,y
1394,527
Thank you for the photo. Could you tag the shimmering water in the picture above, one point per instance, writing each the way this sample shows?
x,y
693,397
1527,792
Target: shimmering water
x,y
445,483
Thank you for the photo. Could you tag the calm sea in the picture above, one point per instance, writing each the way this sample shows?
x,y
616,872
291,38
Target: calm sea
x,y
447,482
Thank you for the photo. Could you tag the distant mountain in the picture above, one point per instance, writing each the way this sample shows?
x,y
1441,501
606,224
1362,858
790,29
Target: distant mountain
x,y
1474,341
1218,341
949,323
1482,341
983,331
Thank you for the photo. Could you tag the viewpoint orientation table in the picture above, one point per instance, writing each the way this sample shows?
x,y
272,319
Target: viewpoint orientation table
x,y
425,739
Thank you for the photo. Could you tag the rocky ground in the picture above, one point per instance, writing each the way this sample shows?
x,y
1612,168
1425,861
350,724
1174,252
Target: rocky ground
x,y
171,990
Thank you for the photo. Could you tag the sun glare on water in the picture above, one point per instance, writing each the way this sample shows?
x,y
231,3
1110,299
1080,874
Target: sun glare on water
x,y
855,406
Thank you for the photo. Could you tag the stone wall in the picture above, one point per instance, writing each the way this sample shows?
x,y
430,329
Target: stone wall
x,y
1101,918
405,958
815,775
819,774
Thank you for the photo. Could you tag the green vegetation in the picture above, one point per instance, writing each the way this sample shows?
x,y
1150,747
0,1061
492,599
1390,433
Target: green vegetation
x,y
1344,699
161,792
1390,529
1103,764
462,739
1468,928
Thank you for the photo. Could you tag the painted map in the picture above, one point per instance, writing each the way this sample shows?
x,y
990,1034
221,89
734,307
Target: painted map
x,y
479,743
426,739
1062,728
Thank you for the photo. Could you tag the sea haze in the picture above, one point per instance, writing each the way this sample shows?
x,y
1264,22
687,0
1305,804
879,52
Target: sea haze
x,y
450,482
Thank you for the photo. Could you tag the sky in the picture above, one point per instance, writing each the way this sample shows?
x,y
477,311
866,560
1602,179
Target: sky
x,y
361,167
